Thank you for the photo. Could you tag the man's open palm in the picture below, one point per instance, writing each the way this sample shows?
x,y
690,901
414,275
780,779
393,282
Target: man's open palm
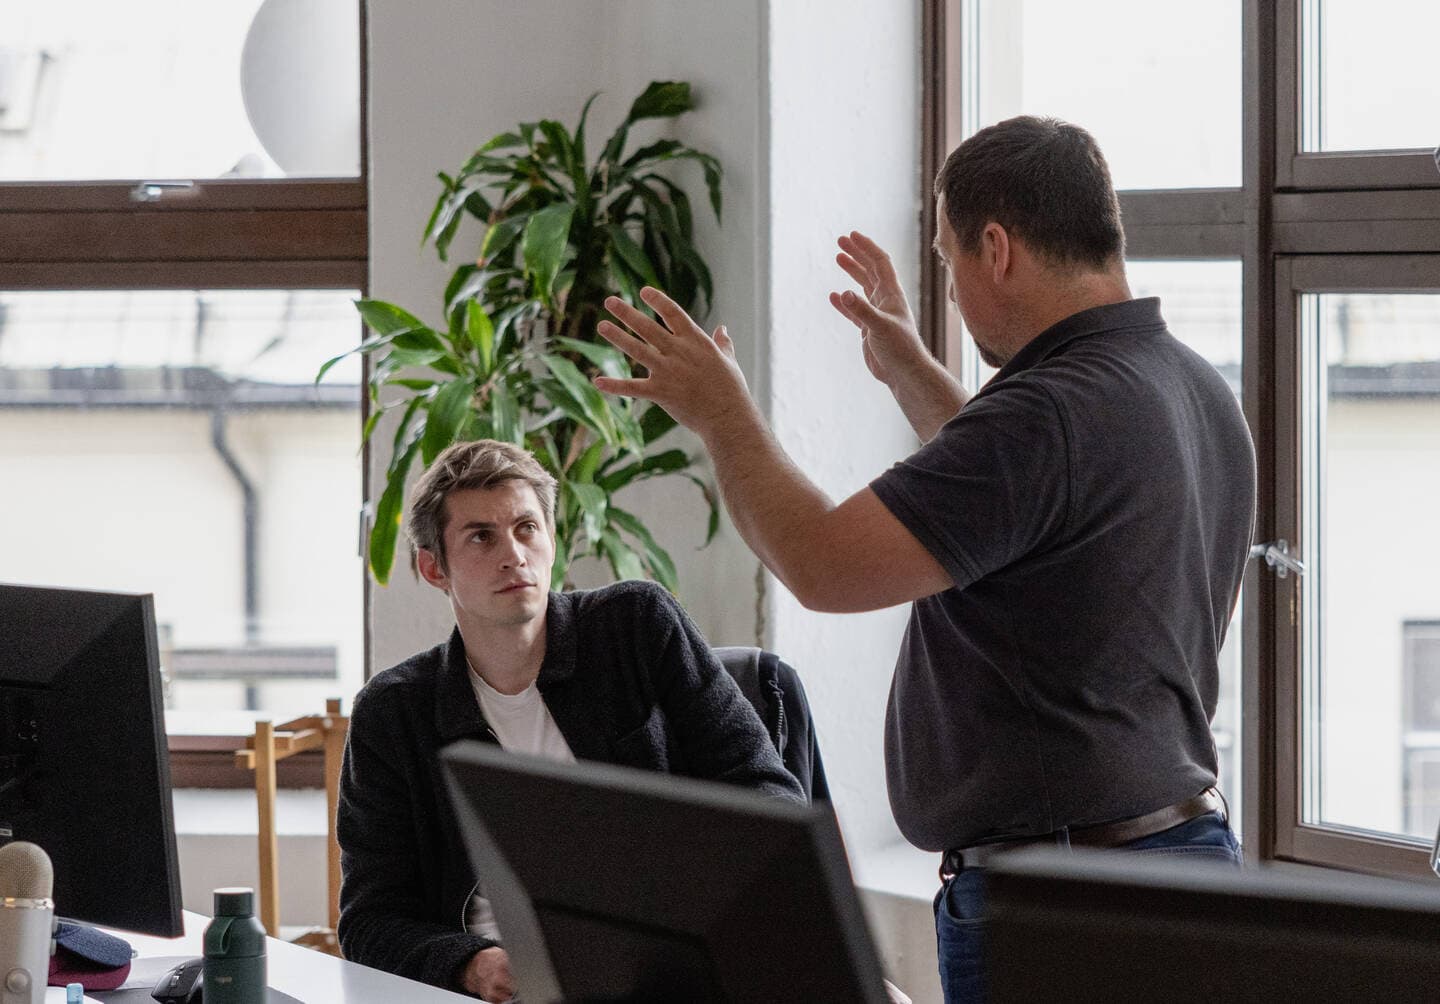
x,y
887,328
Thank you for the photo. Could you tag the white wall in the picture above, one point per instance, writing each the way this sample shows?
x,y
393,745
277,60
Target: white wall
x,y
844,155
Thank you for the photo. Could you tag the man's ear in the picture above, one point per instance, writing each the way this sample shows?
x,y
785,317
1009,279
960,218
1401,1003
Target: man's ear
x,y
996,249
429,566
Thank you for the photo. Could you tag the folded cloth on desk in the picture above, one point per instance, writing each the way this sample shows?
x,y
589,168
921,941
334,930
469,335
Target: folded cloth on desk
x,y
94,959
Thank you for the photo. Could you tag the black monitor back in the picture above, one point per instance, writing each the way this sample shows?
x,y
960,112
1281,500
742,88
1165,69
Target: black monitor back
x,y
1125,927
616,884
84,770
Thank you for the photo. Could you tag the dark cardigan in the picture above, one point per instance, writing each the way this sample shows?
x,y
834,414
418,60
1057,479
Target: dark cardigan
x,y
628,679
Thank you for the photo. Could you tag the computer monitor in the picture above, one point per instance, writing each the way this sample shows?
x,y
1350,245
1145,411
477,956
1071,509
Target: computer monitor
x,y
1125,927
84,770
611,883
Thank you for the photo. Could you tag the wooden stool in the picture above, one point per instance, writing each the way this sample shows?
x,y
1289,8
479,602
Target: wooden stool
x,y
269,745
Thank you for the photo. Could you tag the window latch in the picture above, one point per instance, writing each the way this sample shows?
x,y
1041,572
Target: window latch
x,y
1277,555
151,191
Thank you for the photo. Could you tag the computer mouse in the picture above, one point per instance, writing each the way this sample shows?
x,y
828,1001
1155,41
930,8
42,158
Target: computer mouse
x,y
181,985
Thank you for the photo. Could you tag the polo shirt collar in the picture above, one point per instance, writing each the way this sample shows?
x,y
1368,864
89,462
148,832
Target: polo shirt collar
x,y
1141,313
457,714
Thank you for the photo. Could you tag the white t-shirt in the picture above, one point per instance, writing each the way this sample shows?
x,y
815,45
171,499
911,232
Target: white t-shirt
x,y
523,724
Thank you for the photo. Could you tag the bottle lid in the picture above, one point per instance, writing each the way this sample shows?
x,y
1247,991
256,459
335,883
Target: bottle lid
x,y
236,901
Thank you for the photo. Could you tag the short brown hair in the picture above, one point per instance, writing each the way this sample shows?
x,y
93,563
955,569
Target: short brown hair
x,y
1042,179
483,463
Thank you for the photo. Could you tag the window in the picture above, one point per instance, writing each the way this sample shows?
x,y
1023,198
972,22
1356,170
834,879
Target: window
x,y
1420,725
1304,262
182,229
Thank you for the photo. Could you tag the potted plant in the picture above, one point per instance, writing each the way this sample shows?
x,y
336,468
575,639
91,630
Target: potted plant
x,y
514,356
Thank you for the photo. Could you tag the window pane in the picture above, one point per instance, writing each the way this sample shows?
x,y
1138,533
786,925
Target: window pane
x,y
174,442
1371,478
1368,74
91,89
1158,84
1200,301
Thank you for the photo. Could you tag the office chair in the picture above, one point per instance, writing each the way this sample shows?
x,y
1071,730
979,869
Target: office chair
x,y
270,744
774,688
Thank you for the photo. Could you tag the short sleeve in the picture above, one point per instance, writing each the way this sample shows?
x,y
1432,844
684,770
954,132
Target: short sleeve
x,y
990,487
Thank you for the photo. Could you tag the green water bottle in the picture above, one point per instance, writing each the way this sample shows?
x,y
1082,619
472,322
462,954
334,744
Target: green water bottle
x,y
234,950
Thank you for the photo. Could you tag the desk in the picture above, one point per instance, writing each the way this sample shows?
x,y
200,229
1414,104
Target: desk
x,y
310,976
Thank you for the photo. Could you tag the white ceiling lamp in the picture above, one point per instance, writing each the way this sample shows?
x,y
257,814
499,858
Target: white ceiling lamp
x,y
300,80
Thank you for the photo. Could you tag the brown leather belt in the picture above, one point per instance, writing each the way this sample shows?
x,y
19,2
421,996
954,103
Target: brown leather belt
x,y
1113,834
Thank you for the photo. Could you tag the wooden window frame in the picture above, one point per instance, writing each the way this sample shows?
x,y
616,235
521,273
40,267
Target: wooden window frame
x,y
1293,212
310,233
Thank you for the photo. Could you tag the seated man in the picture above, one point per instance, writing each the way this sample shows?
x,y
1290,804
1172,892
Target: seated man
x,y
618,674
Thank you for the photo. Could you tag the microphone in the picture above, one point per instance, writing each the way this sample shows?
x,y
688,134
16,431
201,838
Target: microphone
x,y
27,922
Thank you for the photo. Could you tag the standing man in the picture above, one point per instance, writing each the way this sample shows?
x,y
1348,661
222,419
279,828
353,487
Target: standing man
x,y
617,674
1073,536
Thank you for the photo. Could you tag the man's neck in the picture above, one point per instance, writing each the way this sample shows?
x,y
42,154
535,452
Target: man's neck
x,y
507,658
1056,301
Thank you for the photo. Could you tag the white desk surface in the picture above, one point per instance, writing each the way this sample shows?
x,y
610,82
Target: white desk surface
x,y
308,975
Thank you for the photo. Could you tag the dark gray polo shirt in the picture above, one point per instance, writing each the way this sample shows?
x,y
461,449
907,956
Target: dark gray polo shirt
x,y
1093,504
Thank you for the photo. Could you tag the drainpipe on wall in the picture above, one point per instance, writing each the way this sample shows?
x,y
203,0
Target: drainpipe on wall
x,y
252,536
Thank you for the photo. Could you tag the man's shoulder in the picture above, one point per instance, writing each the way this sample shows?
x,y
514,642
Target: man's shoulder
x,y
627,596
403,680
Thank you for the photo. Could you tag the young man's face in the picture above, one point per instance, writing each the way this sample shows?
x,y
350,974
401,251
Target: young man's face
x,y
498,551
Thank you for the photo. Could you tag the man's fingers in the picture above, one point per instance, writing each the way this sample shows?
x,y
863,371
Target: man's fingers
x,y
858,309
652,331
723,339
873,256
674,316
633,387
837,300
856,271
627,343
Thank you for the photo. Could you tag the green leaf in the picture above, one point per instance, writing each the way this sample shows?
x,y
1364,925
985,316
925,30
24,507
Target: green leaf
x,y
561,565
400,445
468,283
606,358
386,318
447,410
502,141
714,505
501,235
652,466
623,560
594,503
580,128
583,469
420,339
505,415
655,151
410,384
662,99
543,246
655,423
593,404
656,557
632,254
565,154
481,333
386,528
331,362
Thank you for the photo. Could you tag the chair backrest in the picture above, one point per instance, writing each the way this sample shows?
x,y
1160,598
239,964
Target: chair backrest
x,y
775,690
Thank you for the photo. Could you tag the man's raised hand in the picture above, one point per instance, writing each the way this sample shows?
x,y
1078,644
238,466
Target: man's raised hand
x,y
692,375
888,336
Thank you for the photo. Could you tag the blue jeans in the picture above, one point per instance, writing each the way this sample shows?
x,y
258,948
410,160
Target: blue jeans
x,y
959,905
